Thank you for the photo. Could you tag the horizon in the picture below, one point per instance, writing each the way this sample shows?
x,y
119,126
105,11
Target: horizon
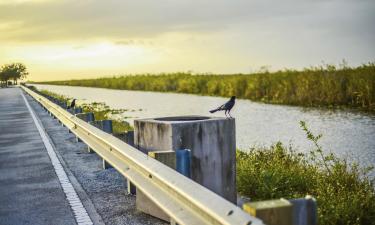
x,y
62,40
341,66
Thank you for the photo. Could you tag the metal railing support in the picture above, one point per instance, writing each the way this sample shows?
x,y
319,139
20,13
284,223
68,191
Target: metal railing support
x,y
183,159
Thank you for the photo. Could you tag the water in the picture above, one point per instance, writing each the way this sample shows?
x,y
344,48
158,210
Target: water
x,y
348,134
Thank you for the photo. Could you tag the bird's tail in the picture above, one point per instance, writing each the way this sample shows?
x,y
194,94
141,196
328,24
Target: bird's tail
x,y
213,111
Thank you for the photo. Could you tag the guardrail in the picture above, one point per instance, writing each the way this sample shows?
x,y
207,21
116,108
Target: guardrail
x,y
185,201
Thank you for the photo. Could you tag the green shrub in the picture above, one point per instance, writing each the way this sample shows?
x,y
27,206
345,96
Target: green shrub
x,y
344,192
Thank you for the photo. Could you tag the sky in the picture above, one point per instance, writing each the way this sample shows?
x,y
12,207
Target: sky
x,y
73,39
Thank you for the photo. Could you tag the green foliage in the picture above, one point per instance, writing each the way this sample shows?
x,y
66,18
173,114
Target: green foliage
x,y
344,192
14,71
326,86
100,110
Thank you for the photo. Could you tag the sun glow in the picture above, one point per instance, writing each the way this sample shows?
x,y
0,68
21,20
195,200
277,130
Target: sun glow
x,y
79,58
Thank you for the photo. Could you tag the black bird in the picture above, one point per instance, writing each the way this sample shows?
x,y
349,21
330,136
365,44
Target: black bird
x,y
72,104
227,106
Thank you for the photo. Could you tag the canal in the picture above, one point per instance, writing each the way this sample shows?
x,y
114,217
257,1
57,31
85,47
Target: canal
x,y
346,133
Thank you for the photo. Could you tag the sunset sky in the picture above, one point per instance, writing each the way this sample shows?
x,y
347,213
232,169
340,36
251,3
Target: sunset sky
x,y
64,39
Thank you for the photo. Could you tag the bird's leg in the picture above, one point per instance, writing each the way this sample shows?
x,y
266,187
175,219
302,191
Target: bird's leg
x,y
230,114
226,111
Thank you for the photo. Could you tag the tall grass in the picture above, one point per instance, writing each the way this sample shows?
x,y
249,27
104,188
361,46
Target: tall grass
x,y
326,86
344,192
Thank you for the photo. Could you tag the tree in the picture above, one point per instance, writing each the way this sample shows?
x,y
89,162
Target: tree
x,y
4,77
14,71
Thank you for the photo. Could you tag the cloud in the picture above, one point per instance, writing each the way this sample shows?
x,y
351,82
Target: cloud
x,y
18,2
112,19
169,35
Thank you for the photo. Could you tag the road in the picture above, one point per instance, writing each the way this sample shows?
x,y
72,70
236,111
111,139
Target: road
x,y
31,192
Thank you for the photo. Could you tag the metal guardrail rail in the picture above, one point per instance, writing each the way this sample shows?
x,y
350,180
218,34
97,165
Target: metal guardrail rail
x,y
184,200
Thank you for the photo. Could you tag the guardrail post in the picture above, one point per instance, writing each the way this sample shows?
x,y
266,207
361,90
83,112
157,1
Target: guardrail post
x,y
183,157
304,211
106,126
77,110
128,137
131,188
87,117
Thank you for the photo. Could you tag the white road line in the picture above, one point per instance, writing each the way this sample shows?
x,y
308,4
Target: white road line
x,y
80,213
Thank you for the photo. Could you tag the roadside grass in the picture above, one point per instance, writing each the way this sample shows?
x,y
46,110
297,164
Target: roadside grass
x,y
321,86
345,194
101,112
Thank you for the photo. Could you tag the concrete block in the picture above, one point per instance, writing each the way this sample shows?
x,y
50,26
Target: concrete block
x,y
212,142
166,157
143,203
271,212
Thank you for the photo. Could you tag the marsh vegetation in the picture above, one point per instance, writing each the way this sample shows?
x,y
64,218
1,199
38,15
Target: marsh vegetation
x,y
344,192
321,86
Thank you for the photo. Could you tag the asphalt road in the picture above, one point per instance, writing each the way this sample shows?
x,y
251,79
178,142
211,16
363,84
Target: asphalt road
x,y
30,192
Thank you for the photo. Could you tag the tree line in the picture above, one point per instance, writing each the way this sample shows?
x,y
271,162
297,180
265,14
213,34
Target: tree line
x,y
12,72
327,85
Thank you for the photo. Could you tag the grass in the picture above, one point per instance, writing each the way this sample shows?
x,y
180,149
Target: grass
x,y
344,192
101,112
322,86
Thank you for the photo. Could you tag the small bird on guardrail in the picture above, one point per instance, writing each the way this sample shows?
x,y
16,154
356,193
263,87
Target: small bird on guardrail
x,y
227,107
72,104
